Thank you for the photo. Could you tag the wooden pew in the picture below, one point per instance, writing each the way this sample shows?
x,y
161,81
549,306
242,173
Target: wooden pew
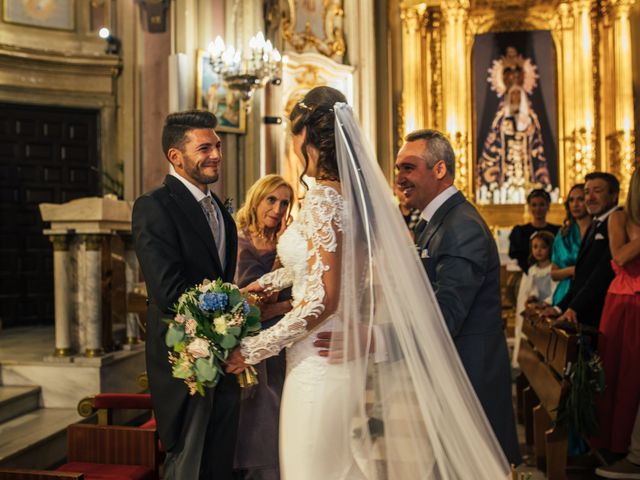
x,y
545,353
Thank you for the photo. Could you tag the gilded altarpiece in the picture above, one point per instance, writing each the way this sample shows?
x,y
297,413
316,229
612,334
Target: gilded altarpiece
x,y
592,42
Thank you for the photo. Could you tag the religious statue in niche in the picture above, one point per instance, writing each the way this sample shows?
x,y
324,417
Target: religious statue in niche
x,y
513,159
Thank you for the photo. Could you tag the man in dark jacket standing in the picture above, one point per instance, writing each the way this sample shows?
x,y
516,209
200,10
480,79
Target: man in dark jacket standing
x,y
585,299
460,257
182,235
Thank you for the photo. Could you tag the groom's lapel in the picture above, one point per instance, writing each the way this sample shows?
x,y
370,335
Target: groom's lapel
x,y
423,240
195,216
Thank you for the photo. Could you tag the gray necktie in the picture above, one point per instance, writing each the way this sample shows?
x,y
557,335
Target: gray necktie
x,y
212,218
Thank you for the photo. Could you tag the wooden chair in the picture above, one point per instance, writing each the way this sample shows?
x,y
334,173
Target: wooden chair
x,y
105,404
97,451
22,474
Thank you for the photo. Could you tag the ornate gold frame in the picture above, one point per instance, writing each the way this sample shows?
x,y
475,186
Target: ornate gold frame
x,y
240,127
66,7
332,45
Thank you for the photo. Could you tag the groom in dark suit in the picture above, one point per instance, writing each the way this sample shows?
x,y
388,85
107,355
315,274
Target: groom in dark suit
x,y
460,257
183,234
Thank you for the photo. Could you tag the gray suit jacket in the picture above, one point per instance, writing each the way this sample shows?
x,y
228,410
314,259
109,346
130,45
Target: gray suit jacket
x,y
461,259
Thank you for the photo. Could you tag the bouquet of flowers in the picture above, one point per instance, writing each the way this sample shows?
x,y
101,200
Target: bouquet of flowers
x,y
210,321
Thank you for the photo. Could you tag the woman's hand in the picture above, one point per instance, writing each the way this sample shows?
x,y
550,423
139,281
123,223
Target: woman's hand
x,y
235,362
253,287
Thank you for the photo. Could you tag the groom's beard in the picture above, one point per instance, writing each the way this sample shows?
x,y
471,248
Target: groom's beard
x,y
194,170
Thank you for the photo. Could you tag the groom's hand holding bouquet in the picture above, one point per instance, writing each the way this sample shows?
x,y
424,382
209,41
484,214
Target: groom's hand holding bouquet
x,y
211,319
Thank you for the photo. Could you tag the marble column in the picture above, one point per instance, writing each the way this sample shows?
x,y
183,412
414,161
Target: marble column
x,y
91,284
131,274
62,282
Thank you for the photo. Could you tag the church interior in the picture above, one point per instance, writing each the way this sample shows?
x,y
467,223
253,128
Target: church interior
x,y
532,94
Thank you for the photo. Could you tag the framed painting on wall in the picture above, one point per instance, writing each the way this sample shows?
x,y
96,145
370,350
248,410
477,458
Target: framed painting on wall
x,y
516,129
212,95
54,14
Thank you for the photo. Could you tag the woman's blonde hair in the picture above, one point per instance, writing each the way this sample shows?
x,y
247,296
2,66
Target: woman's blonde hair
x,y
633,197
246,217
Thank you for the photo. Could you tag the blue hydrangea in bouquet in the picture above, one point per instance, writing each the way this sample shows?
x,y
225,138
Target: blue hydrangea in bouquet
x,y
211,319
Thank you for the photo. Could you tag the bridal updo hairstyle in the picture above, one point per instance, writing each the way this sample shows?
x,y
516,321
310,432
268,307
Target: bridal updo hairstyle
x,y
315,113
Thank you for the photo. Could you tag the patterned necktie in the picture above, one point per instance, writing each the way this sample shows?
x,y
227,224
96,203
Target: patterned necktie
x,y
212,219
420,227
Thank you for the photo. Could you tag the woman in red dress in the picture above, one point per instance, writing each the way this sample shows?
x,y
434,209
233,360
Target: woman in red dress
x,y
619,343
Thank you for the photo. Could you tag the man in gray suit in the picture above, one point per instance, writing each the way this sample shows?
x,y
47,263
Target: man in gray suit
x,y
460,257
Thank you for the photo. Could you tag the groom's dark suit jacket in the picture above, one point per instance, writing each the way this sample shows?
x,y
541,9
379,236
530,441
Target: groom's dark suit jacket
x,y
461,260
176,250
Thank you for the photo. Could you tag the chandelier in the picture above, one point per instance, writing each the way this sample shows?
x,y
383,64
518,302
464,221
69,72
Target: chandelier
x,y
246,73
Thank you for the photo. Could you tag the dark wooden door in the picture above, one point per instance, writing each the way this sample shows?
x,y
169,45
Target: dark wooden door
x,y
50,155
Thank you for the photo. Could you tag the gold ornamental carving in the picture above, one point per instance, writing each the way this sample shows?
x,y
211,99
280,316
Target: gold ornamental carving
x,y
308,77
330,43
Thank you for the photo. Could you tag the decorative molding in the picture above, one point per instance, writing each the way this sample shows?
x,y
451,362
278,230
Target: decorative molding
x,y
331,45
60,242
92,242
53,70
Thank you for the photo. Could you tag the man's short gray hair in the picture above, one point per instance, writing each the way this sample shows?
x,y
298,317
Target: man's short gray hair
x,y
438,148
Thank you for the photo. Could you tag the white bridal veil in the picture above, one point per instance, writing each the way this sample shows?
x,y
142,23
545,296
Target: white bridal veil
x,y
408,412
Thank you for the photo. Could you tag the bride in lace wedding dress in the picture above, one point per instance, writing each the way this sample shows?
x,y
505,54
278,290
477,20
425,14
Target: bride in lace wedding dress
x,y
406,411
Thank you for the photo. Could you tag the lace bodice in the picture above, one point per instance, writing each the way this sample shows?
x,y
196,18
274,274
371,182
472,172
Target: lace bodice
x,y
303,250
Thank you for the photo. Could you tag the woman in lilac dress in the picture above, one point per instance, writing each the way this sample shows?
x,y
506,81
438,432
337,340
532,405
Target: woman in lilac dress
x,y
260,221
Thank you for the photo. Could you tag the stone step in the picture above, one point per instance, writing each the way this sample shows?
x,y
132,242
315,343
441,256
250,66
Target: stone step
x,y
37,439
15,401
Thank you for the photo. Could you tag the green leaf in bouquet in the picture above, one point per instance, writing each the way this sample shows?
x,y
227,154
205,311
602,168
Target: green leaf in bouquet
x,y
235,297
182,369
252,324
205,370
219,354
254,313
179,347
228,342
200,388
235,331
175,335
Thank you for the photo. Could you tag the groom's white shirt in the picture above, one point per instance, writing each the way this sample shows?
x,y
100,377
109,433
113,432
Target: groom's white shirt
x,y
199,195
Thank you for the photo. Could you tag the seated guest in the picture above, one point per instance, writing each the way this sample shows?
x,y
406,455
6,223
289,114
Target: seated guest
x,y
537,285
593,274
260,221
619,342
567,242
538,202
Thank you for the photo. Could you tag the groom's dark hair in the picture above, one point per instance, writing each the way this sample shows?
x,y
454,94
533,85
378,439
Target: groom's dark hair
x,y
176,126
438,148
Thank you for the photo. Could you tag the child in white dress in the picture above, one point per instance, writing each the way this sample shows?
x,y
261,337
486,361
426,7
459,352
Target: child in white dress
x,y
536,286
